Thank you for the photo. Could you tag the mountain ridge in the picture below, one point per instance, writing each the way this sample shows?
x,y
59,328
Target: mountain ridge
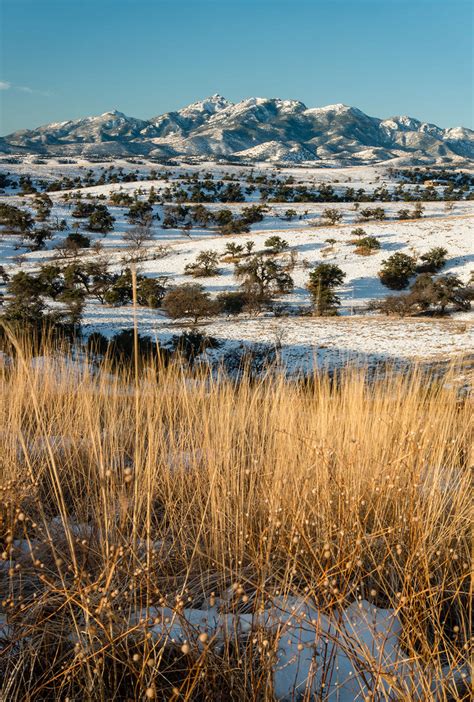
x,y
265,129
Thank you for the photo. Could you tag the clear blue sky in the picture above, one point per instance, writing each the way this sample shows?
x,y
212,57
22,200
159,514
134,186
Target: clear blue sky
x,y
64,59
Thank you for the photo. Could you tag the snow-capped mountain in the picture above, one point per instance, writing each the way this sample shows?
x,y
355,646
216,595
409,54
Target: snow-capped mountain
x,y
256,129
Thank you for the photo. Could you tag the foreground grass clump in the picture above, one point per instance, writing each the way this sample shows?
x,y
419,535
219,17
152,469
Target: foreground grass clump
x,y
124,494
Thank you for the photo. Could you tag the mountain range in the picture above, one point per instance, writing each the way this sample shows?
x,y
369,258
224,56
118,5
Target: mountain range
x,y
256,129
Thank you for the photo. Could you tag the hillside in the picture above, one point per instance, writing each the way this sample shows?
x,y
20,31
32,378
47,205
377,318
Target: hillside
x,y
176,240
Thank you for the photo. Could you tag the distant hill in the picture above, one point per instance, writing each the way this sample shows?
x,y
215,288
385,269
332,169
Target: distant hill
x,y
257,129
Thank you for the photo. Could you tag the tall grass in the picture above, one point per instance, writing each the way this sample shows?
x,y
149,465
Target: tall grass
x,y
122,492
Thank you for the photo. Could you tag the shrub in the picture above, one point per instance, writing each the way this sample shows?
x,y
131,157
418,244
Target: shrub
x,y
332,216
276,244
367,245
100,220
15,219
374,213
399,305
189,300
397,270
232,302
442,292
235,226
97,344
428,293
191,344
121,348
252,214
417,211
78,240
120,199
358,231
140,212
206,265
433,260
233,249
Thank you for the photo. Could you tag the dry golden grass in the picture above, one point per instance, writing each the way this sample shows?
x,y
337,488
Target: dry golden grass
x,y
136,491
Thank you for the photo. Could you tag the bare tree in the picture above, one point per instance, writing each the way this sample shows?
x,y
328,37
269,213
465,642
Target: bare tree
x,y
137,238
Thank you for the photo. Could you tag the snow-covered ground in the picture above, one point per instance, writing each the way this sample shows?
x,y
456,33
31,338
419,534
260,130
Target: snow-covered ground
x,y
355,335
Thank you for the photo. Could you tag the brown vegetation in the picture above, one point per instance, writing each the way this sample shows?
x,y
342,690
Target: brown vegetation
x,y
122,492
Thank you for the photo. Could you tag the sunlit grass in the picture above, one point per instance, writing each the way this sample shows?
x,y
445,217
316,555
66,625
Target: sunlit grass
x,y
123,493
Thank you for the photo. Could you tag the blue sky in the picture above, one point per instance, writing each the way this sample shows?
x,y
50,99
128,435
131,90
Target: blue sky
x,y
64,59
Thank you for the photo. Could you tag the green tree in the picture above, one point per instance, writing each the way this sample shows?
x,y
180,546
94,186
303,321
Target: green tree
x,y
397,270
233,249
101,220
81,241
51,280
205,265
73,299
82,210
140,212
37,237
201,216
252,214
322,282
249,247
25,304
43,206
223,217
276,244
16,220
232,193
151,291
189,300
332,216
433,260
367,244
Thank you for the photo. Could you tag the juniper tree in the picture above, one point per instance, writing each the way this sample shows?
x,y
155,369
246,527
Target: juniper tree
x,y
397,270
322,283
